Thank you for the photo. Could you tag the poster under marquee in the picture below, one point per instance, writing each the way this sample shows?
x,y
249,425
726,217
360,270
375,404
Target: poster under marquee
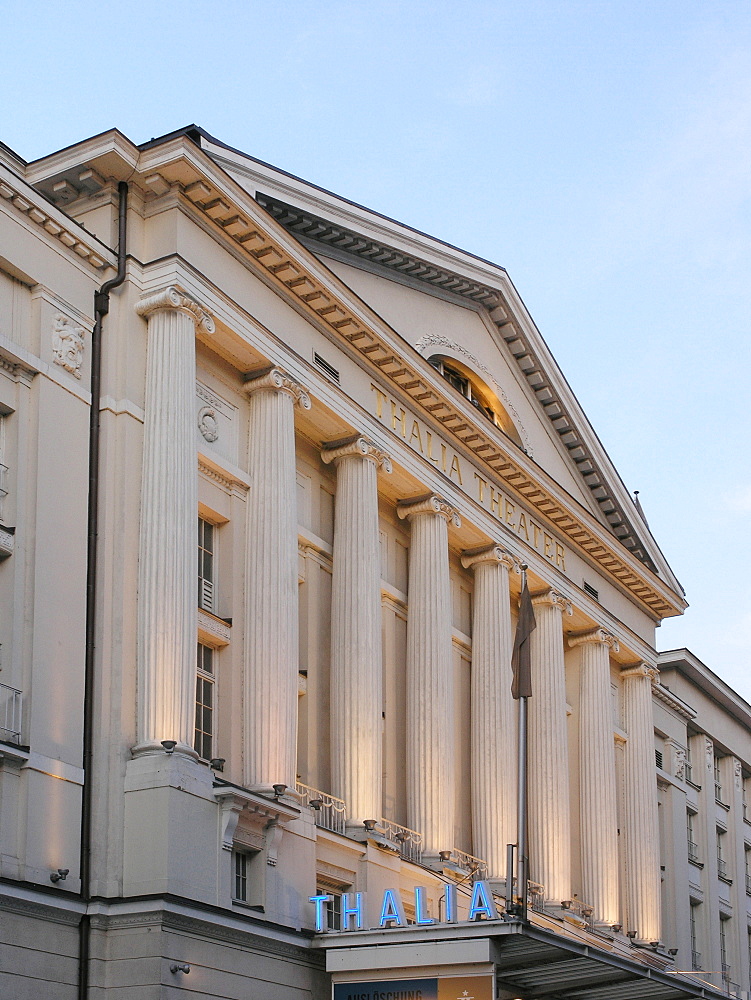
x,y
443,988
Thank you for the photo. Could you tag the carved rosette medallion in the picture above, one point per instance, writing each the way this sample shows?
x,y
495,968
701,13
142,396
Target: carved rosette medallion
x,y
208,424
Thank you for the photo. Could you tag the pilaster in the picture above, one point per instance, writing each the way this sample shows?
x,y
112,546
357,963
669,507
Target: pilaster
x,y
430,696
597,797
493,728
642,833
271,614
548,788
356,654
167,571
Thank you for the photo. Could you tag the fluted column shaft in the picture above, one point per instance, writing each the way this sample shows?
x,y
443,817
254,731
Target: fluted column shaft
x,y
493,728
597,799
430,696
271,609
168,552
548,783
642,833
356,653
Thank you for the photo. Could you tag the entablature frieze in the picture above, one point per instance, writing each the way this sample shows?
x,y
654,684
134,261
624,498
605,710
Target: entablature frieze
x,y
313,291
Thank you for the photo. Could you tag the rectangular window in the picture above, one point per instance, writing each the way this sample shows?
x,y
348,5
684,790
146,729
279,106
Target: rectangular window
x,y
241,876
722,868
693,850
689,768
206,532
725,965
717,780
695,953
747,859
205,680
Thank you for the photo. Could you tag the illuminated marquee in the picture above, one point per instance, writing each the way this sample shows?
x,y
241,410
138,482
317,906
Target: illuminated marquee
x,y
510,514
481,906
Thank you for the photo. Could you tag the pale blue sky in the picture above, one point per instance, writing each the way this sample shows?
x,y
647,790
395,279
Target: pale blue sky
x,y
600,150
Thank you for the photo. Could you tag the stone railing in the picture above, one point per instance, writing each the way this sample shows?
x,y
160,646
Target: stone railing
x,y
330,812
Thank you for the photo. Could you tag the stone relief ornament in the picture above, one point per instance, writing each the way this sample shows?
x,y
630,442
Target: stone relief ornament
x,y
67,344
679,754
438,340
709,752
208,425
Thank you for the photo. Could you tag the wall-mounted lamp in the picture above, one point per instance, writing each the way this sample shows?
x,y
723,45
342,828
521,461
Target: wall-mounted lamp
x,y
180,967
217,763
444,855
169,745
369,825
279,790
631,935
60,875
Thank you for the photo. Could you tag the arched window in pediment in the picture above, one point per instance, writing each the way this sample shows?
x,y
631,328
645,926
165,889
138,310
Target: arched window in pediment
x,y
480,395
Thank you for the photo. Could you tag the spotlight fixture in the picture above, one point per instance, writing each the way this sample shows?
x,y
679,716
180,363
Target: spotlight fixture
x,y
617,928
444,855
316,804
169,745
673,951
654,944
587,911
60,875
369,824
566,904
400,836
180,967
631,935
217,763
279,790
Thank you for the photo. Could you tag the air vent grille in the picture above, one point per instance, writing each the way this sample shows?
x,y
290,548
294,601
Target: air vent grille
x,y
326,368
589,589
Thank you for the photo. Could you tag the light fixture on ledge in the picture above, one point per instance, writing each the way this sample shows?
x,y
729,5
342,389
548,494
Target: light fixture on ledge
x,y
631,935
180,967
617,928
400,836
59,876
444,855
169,745
316,804
654,944
566,904
673,952
369,825
217,763
279,790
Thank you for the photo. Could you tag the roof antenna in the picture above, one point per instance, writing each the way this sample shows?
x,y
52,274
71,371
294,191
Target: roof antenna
x,y
638,506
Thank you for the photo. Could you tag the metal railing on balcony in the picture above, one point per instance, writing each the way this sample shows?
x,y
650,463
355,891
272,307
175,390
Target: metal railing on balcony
x,y
725,973
696,960
476,867
330,812
581,909
3,480
409,841
693,851
10,714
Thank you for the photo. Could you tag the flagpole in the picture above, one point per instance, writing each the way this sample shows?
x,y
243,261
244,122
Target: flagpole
x,y
522,861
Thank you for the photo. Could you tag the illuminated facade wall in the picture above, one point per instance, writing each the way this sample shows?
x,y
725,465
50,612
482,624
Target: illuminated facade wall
x,y
374,437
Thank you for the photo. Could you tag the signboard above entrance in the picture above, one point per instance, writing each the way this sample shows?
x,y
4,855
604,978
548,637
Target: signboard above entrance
x,y
443,988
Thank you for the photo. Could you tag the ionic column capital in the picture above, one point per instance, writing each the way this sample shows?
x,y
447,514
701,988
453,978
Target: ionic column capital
x,y
552,599
641,670
277,380
490,554
356,447
430,504
595,635
171,298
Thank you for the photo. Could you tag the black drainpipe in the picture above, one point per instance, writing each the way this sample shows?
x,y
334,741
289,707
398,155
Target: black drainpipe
x,y
101,308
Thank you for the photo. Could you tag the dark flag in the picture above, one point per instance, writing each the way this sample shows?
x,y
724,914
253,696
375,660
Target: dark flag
x,y
520,658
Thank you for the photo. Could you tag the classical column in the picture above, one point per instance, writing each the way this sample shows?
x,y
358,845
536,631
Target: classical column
x,y
642,834
597,801
548,785
356,657
168,551
430,687
271,620
493,724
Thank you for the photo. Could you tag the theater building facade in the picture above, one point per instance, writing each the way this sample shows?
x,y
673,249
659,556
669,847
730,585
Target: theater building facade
x,y
272,464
